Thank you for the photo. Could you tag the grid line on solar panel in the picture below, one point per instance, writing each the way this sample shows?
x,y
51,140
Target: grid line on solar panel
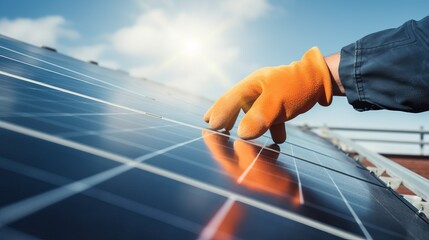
x,y
61,194
135,101
246,171
77,72
301,195
212,227
355,171
91,98
110,85
206,165
203,176
100,195
59,123
44,69
357,219
108,103
70,121
75,78
301,146
21,209
82,132
210,230
295,139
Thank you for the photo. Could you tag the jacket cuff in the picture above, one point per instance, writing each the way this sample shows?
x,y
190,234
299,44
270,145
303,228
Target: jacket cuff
x,y
349,71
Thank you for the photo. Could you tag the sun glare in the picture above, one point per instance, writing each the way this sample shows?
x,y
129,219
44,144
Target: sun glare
x,y
193,47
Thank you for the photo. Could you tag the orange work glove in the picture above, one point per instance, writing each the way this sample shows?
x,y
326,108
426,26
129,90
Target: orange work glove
x,y
272,95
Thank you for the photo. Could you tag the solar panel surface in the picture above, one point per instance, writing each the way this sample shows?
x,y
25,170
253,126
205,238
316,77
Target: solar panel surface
x,y
88,152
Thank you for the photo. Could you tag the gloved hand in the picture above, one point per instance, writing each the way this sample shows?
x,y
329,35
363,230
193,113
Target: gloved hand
x,y
272,95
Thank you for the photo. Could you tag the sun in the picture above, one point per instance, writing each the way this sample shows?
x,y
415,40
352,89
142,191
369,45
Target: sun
x,y
193,47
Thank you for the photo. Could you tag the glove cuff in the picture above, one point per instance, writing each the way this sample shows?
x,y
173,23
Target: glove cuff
x,y
321,73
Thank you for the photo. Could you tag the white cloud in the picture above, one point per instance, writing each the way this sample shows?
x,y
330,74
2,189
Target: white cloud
x,y
243,10
187,46
147,36
41,31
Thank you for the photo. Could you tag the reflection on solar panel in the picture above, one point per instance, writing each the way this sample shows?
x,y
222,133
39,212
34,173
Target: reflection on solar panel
x,y
91,153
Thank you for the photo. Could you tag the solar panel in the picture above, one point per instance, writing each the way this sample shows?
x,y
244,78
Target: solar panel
x,y
92,153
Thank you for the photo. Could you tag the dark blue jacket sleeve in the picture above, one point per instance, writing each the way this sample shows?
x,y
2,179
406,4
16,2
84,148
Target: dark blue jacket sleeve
x,y
388,69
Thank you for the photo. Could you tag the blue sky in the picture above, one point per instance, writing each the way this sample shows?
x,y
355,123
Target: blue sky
x,y
207,46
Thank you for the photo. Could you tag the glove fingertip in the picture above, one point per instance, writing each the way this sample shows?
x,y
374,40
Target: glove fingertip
x,y
279,139
208,114
278,133
206,118
250,128
216,122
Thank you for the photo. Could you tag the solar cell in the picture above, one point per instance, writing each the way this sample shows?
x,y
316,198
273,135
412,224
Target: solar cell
x,y
89,152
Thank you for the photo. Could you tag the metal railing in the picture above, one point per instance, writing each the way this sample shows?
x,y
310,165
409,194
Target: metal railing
x,y
421,132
